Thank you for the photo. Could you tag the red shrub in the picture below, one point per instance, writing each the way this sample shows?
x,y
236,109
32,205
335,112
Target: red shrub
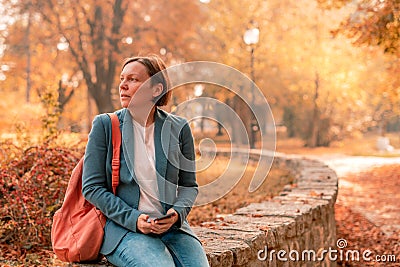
x,y
32,188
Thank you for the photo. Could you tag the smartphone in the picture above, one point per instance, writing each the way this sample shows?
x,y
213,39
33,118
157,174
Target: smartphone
x,y
169,215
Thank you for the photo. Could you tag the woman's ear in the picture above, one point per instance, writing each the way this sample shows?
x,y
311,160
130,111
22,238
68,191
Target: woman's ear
x,y
157,90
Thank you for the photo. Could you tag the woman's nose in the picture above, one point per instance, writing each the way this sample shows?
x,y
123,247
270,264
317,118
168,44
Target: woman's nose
x,y
122,85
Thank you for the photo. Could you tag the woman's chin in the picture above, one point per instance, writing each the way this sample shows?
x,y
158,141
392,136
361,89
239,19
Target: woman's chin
x,y
124,104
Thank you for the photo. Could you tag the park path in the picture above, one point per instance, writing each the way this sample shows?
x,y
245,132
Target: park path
x,y
375,198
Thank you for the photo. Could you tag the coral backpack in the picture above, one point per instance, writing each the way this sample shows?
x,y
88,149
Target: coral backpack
x,y
77,231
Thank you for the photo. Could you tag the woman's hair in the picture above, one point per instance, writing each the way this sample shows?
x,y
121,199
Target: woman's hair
x,y
156,69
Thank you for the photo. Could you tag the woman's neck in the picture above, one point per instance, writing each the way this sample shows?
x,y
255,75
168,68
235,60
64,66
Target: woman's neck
x,y
144,117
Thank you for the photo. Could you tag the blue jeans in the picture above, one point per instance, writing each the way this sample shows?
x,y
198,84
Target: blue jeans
x,y
171,249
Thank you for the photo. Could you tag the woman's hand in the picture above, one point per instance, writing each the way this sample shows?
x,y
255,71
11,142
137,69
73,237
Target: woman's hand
x,y
161,226
142,225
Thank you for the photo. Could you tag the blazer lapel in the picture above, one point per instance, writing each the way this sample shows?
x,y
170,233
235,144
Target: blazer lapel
x,y
162,135
128,142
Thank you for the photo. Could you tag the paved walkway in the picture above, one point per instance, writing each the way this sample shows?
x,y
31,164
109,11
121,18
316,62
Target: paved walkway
x,y
378,200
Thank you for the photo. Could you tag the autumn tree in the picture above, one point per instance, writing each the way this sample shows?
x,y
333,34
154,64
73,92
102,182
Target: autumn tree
x,y
317,86
376,24
373,23
99,34
25,73
222,38
91,32
321,88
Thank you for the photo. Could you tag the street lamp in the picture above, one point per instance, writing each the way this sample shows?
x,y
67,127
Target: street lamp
x,y
251,37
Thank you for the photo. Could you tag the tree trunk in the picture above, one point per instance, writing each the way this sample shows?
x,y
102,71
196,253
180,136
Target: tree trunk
x,y
314,128
95,53
102,98
244,113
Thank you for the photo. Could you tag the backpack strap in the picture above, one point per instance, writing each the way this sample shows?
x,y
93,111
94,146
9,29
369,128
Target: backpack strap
x,y
116,143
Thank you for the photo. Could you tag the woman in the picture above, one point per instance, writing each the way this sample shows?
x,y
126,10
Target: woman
x,y
157,174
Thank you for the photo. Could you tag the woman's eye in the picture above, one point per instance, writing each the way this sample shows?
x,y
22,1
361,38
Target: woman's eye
x,y
130,79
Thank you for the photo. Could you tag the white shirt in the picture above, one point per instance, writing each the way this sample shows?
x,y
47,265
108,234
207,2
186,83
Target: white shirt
x,y
145,169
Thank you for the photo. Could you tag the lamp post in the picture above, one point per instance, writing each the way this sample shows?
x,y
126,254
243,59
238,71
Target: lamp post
x,y
251,38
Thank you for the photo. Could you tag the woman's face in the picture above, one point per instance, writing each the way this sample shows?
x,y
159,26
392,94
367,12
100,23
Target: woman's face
x,y
132,77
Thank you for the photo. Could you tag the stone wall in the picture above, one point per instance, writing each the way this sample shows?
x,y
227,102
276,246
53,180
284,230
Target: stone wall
x,y
300,223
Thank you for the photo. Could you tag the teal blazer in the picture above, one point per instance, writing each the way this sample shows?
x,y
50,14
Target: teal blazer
x,y
176,177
